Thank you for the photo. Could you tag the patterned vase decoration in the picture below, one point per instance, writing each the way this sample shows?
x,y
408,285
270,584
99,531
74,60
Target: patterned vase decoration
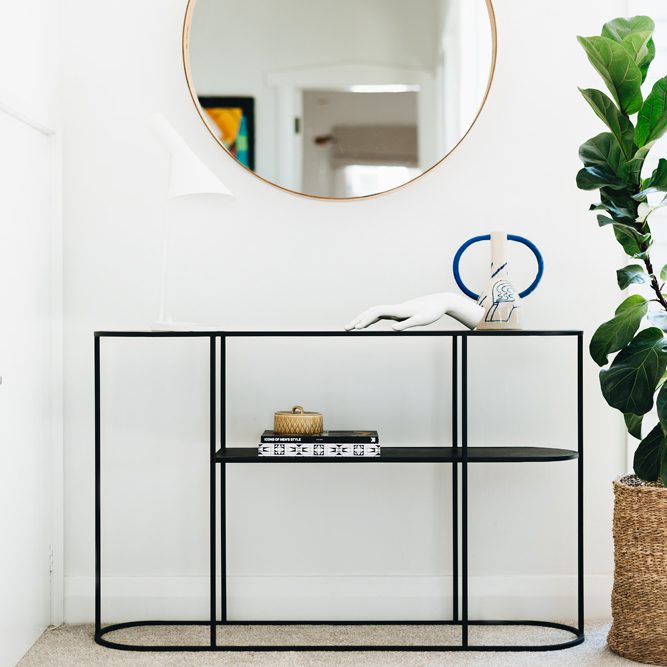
x,y
500,299
501,302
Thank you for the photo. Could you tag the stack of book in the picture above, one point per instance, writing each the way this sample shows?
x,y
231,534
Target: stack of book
x,y
327,443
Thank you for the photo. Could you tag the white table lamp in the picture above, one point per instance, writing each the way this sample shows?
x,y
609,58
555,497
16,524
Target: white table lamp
x,y
188,175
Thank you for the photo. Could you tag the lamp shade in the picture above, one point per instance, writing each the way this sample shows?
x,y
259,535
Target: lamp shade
x,y
188,174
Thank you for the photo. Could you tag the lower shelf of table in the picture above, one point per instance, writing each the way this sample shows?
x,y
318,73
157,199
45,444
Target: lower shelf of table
x,y
411,455
569,636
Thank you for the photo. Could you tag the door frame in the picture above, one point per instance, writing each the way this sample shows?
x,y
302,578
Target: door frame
x,y
289,85
55,461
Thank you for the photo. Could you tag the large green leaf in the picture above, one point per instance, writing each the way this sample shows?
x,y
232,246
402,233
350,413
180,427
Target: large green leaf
x,y
594,178
634,243
630,382
641,48
661,406
618,29
620,330
620,205
643,68
618,70
634,425
663,272
636,165
657,182
634,33
604,221
603,151
608,112
649,455
632,273
652,118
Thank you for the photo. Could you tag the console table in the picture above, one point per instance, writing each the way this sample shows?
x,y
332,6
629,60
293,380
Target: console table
x,y
459,456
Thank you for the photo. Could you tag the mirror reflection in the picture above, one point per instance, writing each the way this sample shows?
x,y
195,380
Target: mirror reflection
x,y
339,99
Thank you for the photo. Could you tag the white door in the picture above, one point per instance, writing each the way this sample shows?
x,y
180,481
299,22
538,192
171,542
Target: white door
x,y
27,225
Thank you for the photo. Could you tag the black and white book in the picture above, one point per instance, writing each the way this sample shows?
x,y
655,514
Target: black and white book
x,y
318,449
326,437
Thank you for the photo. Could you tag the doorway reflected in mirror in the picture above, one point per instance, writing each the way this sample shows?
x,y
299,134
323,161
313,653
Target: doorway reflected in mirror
x,y
355,142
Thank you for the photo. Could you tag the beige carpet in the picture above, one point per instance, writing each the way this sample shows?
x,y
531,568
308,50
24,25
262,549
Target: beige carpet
x,y
72,645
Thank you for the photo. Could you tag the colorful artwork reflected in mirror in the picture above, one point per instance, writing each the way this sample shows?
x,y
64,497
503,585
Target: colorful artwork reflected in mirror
x,y
232,120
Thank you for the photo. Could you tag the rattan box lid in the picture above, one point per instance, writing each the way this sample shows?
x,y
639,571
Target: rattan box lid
x,y
298,422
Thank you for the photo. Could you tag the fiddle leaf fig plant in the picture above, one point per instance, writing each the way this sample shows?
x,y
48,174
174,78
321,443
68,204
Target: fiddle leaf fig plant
x,y
634,380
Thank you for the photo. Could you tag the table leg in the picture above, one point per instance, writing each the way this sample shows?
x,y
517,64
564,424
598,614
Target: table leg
x,y
580,481
212,473
98,496
455,482
464,492
223,479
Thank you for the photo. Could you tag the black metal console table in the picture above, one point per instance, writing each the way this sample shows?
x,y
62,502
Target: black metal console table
x,y
459,455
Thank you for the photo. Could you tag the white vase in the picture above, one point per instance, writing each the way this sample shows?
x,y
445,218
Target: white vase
x,y
501,302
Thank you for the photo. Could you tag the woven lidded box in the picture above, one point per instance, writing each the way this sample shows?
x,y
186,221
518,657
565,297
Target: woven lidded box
x,y
298,422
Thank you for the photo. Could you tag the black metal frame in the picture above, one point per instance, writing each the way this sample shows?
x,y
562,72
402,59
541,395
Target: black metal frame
x,y
459,455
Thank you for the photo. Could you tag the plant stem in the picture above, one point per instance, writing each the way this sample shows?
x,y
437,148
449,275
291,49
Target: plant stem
x,y
655,286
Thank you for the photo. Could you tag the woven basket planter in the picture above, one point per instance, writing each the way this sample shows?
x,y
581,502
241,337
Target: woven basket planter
x,y
639,598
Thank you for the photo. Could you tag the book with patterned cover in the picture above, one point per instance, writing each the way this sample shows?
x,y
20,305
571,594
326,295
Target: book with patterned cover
x,y
318,449
326,437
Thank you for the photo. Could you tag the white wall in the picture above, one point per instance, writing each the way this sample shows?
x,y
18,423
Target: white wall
x,y
28,59
30,328
270,261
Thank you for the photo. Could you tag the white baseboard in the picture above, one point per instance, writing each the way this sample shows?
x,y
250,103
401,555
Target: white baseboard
x,y
336,598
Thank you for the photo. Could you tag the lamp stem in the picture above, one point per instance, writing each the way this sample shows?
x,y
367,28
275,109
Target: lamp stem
x,y
165,266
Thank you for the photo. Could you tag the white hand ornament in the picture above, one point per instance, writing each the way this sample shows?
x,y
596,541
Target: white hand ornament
x,y
421,311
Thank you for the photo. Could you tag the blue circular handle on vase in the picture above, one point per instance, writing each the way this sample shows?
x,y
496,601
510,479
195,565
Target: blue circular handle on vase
x,y
487,237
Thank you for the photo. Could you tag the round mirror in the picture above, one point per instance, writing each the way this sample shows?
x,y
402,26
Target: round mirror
x,y
339,99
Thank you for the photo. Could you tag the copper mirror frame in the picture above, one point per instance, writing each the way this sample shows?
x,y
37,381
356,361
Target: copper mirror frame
x,y
186,66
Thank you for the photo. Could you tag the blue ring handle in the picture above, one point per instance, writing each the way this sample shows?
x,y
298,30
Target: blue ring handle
x,y
487,237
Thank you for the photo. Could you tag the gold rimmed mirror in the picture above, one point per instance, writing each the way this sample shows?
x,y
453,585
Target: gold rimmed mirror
x,y
339,100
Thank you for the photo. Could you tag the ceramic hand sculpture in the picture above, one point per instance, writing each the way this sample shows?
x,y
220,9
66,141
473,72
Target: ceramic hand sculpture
x,y
421,311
